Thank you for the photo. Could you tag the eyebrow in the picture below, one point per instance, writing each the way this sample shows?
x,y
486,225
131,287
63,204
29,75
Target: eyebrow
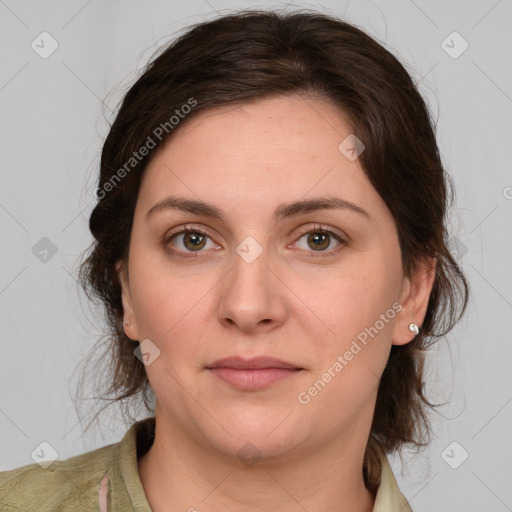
x,y
198,207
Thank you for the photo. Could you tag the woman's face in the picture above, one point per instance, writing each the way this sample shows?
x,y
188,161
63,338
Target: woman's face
x,y
253,283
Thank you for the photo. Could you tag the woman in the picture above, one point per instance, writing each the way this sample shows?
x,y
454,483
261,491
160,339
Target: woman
x,y
270,248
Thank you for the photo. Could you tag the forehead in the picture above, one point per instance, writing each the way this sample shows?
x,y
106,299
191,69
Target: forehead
x,y
265,152
307,125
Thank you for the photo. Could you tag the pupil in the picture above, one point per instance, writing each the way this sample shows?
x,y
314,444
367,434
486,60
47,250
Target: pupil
x,y
319,237
195,239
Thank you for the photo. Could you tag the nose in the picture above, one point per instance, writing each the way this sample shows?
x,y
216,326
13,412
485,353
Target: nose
x,y
252,296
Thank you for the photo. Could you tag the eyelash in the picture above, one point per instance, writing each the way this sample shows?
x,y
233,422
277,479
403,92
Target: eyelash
x,y
312,229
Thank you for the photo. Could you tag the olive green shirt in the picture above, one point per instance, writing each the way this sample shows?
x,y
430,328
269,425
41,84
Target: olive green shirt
x,y
107,480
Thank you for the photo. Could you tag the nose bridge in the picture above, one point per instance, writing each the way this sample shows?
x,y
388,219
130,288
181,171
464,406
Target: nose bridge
x,y
250,269
250,294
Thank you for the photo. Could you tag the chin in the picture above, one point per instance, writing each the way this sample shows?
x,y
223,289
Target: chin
x,y
254,437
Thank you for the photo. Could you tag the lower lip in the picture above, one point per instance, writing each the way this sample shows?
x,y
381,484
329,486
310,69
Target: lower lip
x,y
251,380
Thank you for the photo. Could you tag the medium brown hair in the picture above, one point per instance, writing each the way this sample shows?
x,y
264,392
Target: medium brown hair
x,y
251,55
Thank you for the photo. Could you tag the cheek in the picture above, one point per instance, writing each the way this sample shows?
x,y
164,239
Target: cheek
x,y
350,298
170,305
350,319
351,355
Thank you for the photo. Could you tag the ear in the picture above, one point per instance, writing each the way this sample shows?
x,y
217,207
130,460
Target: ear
x,y
414,300
130,329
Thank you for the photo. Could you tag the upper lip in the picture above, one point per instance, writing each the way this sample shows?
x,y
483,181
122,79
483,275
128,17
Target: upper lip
x,y
252,364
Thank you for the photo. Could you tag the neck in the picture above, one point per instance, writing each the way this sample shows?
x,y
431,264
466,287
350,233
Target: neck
x,y
180,473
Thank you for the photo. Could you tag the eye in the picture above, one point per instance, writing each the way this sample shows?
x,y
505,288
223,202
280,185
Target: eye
x,y
189,240
319,239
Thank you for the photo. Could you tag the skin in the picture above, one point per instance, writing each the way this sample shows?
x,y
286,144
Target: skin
x,y
288,303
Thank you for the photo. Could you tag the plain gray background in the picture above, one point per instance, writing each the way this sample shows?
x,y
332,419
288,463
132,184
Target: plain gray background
x,y
53,122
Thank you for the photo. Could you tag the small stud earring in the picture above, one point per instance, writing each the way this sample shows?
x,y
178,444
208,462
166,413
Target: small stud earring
x,y
127,322
414,328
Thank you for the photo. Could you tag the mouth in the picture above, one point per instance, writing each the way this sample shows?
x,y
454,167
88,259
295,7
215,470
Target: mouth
x,y
253,374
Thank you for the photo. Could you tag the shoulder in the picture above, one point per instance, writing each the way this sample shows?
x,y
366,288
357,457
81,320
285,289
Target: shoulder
x,y
72,482
103,479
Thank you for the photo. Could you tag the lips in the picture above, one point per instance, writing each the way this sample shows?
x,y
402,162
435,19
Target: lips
x,y
253,374
256,363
